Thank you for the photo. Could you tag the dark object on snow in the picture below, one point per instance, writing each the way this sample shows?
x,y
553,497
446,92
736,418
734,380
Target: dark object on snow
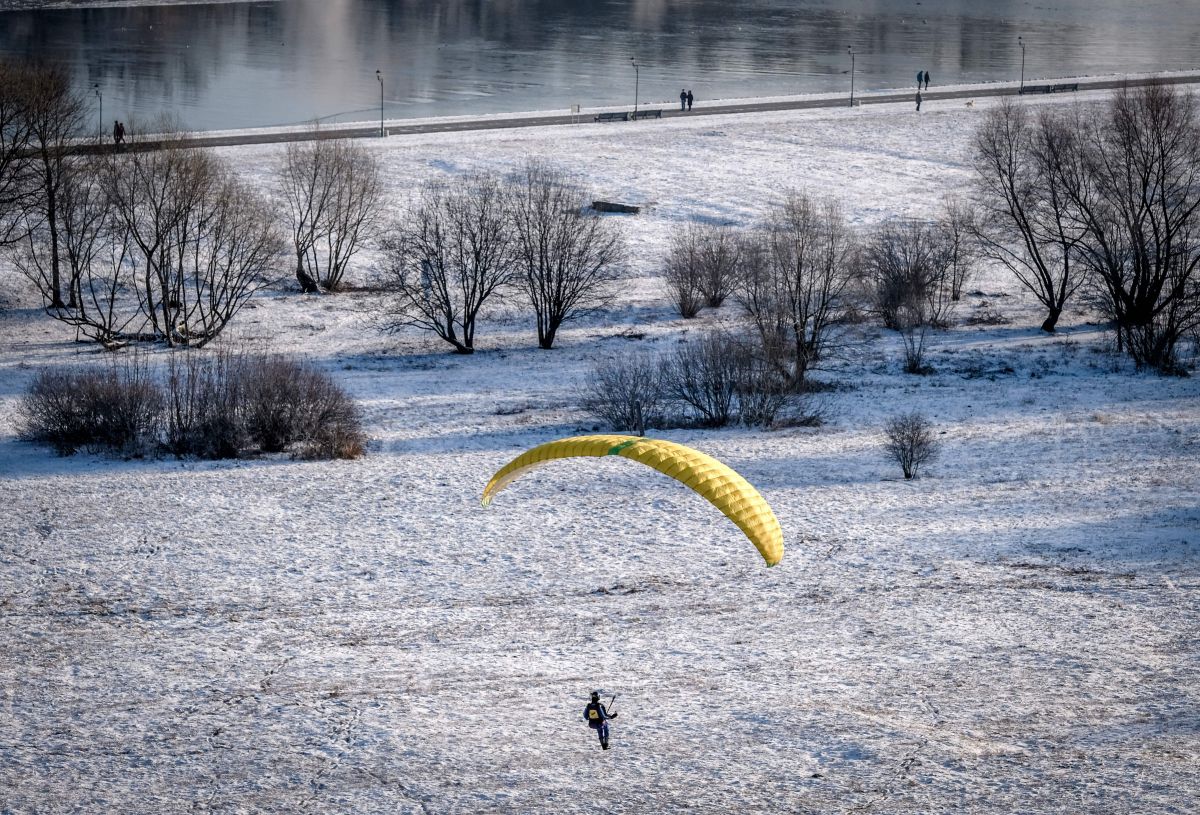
x,y
619,116
648,114
610,206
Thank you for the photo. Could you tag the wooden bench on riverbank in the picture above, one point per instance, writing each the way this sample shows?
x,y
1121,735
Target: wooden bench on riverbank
x,y
1066,86
620,116
648,114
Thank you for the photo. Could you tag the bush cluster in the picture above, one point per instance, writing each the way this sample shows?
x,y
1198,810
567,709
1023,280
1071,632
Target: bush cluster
x,y
210,406
715,381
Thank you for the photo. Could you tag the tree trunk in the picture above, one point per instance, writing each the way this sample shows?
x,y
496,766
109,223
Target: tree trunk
x,y
52,222
307,284
1051,320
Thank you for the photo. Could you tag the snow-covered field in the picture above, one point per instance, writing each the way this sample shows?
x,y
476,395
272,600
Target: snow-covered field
x,y
1015,632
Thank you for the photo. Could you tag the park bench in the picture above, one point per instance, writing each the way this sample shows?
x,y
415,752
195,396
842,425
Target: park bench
x,y
1066,86
620,116
648,114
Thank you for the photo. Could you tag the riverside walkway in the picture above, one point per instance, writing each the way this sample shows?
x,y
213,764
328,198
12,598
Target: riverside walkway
x,y
394,128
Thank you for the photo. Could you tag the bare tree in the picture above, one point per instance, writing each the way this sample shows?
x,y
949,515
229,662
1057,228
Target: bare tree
x,y
204,241
567,257
909,441
95,252
451,253
1135,184
719,254
333,191
908,268
1025,219
683,272
17,185
55,116
793,284
959,226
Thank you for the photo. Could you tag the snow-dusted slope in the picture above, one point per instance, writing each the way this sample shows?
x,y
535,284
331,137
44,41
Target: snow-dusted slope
x,y
1014,632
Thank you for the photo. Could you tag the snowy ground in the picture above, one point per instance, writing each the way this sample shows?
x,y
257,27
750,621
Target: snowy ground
x,y
1015,632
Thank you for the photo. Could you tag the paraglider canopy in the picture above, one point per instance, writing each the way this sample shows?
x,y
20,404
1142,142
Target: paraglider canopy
x,y
712,480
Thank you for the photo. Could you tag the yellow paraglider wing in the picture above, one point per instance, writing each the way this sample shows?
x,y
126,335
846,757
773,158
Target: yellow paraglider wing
x,y
714,481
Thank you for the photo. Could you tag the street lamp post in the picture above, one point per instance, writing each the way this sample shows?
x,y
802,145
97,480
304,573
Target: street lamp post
x,y
379,76
637,77
100,96
850,48
1021,43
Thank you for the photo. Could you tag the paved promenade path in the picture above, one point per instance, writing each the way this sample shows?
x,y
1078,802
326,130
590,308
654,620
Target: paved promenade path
x,y
500,123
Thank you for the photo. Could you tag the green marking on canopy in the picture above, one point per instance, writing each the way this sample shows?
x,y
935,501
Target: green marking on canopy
x,y
616,451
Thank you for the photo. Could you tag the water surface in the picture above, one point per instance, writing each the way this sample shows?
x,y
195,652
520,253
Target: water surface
x,y
242,64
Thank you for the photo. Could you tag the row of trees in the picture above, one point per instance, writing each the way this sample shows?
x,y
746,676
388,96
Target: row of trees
x,y
803,273
164,242
1104,205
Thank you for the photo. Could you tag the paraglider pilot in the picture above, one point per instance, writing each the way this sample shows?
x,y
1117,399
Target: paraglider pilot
x,y
597,716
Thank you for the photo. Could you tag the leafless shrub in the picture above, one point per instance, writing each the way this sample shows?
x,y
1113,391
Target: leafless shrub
x,y
682,275
720,379
567,257
289,404
910,442
702,267
907,264
225,404
332,190
451,253
626,393
117,409
204,400
219,405
706,375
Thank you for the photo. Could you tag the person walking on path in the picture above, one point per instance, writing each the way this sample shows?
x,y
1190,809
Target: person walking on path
x,y
683,100
927,80
116,132
597,716
920,79
689,99
918,101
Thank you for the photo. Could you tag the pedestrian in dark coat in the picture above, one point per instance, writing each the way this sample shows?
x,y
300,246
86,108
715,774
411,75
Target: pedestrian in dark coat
x,y
690,98
683,100
920,79
927,80
597,716
918,101
116,132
